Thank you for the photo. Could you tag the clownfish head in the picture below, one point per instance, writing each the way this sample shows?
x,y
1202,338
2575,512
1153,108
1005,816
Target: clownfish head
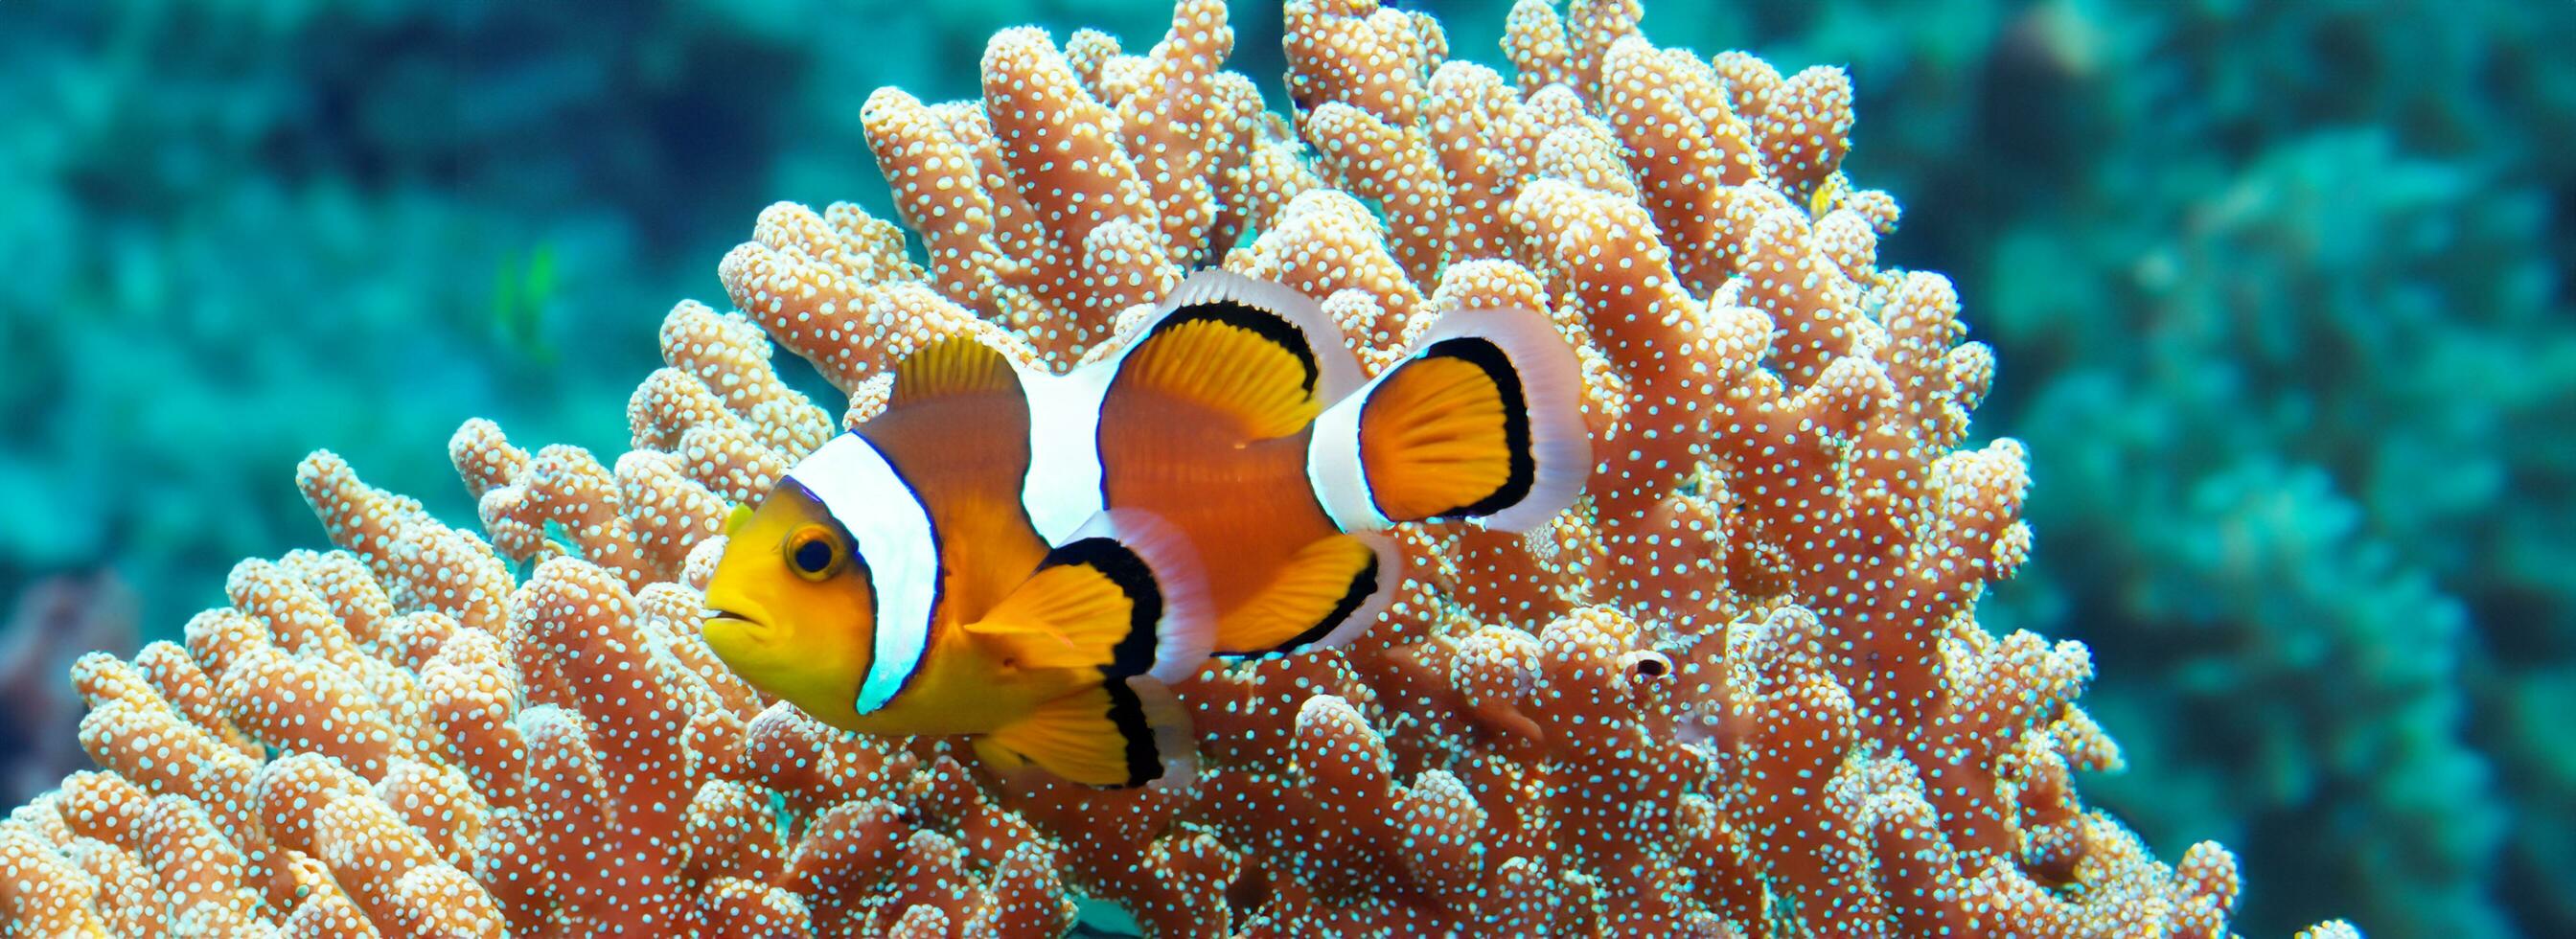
x,y
789,607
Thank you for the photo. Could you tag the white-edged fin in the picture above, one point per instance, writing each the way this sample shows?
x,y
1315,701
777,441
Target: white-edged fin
x,y
1123,732
1326,594
1123,599
1435,456
892,532
1389,574
1337,369
1174,746
1185,625
1552,396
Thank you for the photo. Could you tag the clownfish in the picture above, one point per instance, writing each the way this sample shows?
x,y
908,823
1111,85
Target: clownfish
x,y
1032,559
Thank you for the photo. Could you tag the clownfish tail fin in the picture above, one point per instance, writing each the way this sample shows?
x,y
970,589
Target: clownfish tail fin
x,y
1124,599
1483,421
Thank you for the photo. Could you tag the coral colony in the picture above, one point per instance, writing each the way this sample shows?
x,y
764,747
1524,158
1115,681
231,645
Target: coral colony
x,y
1738,690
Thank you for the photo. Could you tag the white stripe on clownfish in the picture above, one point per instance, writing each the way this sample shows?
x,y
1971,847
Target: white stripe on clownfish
x,y
1064,487
1333,468
892,531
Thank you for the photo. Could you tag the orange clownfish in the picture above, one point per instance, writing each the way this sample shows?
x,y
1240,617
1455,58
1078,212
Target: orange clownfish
x,y
1031,559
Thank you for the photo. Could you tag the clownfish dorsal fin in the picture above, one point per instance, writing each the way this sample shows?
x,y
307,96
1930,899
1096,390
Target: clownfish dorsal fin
x,y
1124,601
1328,593
1259,351
959,364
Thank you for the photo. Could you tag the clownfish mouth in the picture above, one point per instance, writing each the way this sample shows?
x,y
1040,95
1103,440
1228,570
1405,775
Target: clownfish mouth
x,y
731,634
733,624
718,620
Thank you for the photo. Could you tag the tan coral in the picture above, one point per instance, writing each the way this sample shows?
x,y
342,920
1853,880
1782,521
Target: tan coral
x,y
1738,690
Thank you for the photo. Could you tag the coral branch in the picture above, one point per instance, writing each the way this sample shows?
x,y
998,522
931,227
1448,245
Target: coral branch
x,y
1738,690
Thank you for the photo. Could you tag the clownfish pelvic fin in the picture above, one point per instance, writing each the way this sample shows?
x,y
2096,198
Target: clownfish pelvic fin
x,y
1482,421
1124,599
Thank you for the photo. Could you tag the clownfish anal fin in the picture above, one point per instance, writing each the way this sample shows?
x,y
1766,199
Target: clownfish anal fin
x,y
1119,733
1328,593
960,364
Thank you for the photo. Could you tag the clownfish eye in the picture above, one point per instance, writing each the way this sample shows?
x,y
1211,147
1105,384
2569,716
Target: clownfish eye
x,y
812,553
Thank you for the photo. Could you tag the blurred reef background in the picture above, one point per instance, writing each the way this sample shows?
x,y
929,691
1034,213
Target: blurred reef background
x,y
2281,294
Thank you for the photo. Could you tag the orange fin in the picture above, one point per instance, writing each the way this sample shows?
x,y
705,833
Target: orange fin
x,y
1257,351
1064,616
955,365
1124,595
1123,732
1328,593
1441,439
1125,600
1483,420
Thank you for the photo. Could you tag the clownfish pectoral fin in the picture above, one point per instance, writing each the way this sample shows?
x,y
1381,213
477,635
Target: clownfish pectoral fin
x,y
1328,593
1123,732
1483,421
1260,352
1124,595
960,364
1123,600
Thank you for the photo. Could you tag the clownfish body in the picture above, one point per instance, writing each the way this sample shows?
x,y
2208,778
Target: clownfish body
x,y
1032,559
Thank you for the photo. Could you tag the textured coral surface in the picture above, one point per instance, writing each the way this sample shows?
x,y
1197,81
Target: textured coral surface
x,y
1739,690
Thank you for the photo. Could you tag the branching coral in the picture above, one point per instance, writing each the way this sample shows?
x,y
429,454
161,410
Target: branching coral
x,y
1738,691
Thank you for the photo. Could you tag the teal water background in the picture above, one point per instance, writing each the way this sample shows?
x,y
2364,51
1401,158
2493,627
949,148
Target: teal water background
x,y
2280,291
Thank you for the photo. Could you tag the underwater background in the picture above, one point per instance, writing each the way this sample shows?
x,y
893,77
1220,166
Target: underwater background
x,y
2280,294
